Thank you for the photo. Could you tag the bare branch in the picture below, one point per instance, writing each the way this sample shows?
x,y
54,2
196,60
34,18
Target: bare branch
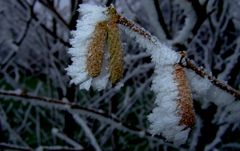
x,y
161,19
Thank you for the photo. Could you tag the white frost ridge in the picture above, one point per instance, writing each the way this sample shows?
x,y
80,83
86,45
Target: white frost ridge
x,y
91,15
164,119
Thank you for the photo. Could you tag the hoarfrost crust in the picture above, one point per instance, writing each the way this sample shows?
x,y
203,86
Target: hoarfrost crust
x,y
90,16
164,119
203,90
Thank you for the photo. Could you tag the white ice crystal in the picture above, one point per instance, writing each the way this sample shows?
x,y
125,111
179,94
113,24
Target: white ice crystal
x,y
204,91
199,86
90,16
164,119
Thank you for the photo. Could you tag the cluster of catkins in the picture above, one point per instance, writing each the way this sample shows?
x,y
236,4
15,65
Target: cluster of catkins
x,y
98,58
96,48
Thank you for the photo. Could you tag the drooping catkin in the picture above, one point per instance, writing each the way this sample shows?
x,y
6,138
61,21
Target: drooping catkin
x,y
115,48
184,102
96,49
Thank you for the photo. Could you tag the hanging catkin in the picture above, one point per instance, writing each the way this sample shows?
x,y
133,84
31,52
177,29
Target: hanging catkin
x,y
96,49
115,48
184,102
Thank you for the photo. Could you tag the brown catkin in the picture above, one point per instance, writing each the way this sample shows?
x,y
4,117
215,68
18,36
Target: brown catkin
x,y
115,48
185,103
96,49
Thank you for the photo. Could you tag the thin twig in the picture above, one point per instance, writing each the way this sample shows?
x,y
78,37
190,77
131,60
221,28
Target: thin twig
x,y
87,131
14,147
187,63
57,148
75,108
65,138
190,65
45,28
125,22
161,19
53,10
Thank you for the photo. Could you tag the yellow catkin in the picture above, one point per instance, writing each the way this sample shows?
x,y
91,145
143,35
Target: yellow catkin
x,y
96,49
185,103
114,47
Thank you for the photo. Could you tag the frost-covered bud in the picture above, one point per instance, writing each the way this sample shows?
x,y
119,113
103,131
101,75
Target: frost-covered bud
x,y
96,49
89,62
114,47
173,115
185,103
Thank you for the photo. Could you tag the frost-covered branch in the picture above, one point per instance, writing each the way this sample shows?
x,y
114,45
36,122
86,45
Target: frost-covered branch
x,y
14,136
63,137
14,147
188,63
34,45
189,22
75,108
87,131
57,148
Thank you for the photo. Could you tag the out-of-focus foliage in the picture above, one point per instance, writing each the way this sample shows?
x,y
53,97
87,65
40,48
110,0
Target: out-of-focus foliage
x,y
33,57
